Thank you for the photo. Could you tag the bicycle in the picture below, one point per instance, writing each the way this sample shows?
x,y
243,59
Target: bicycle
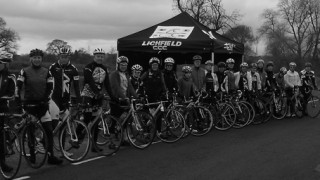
x,y
313,103
104,131
171,121
11,147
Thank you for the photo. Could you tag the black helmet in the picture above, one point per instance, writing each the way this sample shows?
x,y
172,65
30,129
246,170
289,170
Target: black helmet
x,y
222,65
36,52
307,64
270,63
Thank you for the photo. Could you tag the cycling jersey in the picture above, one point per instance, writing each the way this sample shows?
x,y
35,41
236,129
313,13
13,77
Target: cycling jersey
x,y
229,81
198,77
95,75
256,81
7,88
292,79
186,87
63,76
38,83
211,82
308,78
243,80
271,82
263,77
154,85
170,78
280,80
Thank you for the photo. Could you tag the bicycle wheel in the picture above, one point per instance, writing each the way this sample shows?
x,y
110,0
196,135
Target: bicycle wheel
x,y
34,145
225,116
141,129
203,121
251,110
12,153
243,115
172,126
110,134
313,106
298,108
279,108
74,145
263,111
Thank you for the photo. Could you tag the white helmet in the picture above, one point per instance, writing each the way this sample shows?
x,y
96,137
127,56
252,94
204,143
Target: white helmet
x,y
230,60
244,64
169,60
137,67
209,62
122,59
154,60
186,69
293,64
98,51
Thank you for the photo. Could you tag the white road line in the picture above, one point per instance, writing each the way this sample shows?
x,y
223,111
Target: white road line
x,y
23,177
156,142
88,160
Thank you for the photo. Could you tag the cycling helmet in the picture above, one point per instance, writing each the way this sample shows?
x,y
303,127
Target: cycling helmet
x,y
5,57
270,63
244,64
154,60
64,51
98,51
136,67
283,70
307,64
209,62
169,60
260,61
122,59
36,52
222,64
230,60
186,69
293,64
197,57
254,65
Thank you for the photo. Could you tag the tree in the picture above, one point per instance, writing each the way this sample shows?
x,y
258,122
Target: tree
x,y
242,34
54,46
314,13
208,12
8,37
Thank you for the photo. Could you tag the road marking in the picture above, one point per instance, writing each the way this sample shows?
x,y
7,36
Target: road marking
x,y
156,142
88,160
23,177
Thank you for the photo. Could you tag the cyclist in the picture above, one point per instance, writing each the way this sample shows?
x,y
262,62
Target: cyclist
x,y
7,88
198,73
121,88
185,84
280,78
256,81
38,86
170,77
243,80
229,81
211,79
270,83
153,81
221,75
292,80
135,78
262,73
308,80
95,76
64,73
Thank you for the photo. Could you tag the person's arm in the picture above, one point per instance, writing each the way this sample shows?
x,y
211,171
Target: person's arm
x,y
164,87
215,82
298,79
50,85
131,90
237,79
87,72
76,82
107,85
286,81
20,81
313,79
249,78
11,85
258,81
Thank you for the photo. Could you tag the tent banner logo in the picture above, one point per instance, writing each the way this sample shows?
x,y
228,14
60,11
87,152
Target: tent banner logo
x,y
175,32
161,45
229,46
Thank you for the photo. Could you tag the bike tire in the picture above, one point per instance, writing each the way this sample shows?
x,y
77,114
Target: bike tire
x,y
12,152
225,116
34,134
313,106
201,127
72,147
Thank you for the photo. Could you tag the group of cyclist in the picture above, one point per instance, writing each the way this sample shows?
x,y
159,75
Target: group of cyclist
x,y
50,89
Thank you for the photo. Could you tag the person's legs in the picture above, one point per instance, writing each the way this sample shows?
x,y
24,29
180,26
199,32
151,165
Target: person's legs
x,y
3,164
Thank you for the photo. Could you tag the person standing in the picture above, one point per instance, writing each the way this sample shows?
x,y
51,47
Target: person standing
x,y
198,74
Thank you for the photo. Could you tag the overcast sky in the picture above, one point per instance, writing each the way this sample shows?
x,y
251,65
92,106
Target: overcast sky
x,y
99,23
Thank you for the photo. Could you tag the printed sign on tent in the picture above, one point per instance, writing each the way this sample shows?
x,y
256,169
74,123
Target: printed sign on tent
x,y
176,32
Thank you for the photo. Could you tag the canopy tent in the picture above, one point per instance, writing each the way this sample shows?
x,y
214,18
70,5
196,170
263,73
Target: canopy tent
x,y
182,37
